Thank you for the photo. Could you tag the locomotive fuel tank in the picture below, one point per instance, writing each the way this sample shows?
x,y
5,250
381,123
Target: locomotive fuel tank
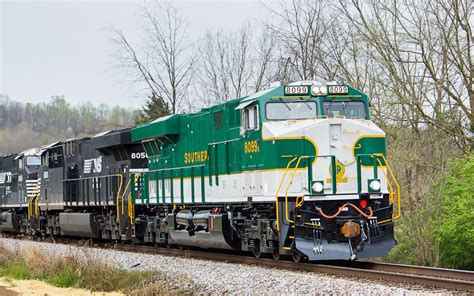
x,y
201,219
203,229
184,219
78,224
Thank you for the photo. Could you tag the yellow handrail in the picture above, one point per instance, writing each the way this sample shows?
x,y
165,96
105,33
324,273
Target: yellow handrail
x,y
37,203
118,194
30,202
397,216
300,202
288,188
29,206
278,191
123,195
130,208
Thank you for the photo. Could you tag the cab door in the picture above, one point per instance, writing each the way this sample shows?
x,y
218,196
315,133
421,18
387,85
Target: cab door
x,y
252,158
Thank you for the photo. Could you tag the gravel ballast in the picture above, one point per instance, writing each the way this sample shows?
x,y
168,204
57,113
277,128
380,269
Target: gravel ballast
x,y
212,277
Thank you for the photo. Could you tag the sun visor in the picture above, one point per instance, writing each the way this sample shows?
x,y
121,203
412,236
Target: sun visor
x,y
244,104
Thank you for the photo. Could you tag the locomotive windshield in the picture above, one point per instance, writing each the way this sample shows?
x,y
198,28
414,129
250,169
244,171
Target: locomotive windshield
x,y
348,109
285,110
32,163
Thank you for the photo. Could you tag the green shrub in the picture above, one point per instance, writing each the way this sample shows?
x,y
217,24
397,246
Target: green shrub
x,y
438,230
455,231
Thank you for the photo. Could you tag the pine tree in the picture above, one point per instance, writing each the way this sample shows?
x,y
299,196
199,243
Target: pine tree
x,y
154,108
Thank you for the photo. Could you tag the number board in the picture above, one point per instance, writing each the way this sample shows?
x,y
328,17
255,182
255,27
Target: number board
x,y
296,90
338,89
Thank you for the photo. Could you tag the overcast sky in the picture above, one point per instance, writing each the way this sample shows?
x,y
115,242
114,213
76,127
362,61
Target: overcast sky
x,y
52,48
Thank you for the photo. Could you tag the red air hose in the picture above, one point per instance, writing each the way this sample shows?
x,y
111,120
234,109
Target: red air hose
x,y
342,207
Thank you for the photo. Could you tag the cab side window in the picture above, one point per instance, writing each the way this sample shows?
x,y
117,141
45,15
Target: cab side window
x,y
250,118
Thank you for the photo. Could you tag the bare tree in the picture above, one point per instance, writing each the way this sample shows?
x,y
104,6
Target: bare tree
x,y
214,79
234,64
167,60
423,48
265,69
301,27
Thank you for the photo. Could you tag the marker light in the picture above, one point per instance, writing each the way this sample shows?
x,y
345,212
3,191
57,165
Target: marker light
x,y
323,90
363,203
375,185
318,187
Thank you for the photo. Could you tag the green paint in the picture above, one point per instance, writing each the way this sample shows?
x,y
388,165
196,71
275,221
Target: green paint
x,y
133,193
365,147
181,184
203,195
310,173
211,139
165,126
359,174
333,174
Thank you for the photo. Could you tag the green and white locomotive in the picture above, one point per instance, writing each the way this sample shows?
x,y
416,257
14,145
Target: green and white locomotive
x,y
298,169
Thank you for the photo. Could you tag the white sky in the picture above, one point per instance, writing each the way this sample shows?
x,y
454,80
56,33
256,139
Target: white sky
x,y
52,48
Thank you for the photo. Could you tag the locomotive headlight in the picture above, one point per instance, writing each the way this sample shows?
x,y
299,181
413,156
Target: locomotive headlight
x,y
318,187
375,185
318,90
315,90
323,90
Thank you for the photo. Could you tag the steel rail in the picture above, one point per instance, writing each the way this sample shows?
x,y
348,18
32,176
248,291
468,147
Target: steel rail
x,y
414,275
413,269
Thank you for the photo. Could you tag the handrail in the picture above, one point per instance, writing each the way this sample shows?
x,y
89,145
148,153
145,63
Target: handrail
x,y
392,175
278,191
168,169
37,202
123,195
29,206
92,177
299,201
288,188
130,208
118,194
30,202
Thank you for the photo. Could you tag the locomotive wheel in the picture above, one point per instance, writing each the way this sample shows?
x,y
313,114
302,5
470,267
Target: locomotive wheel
x,y
256,251
296,256
181,247
276,254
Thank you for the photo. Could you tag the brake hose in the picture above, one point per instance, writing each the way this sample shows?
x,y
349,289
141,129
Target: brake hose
x,y
340,210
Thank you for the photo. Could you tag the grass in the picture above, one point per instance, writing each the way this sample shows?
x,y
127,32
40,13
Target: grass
x,y
69,271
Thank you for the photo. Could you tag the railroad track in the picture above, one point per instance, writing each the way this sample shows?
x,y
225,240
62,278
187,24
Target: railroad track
x,y
414,275
396,273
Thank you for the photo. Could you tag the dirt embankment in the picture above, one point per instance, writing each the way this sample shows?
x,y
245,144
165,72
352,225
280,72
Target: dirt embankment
x,y
33,287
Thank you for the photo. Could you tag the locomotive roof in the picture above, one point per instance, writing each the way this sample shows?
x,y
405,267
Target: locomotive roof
x,y
29,152
169,126
111,138
46,147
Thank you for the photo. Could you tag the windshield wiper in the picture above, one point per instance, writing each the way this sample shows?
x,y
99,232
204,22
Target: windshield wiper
x,y
308,105
285,104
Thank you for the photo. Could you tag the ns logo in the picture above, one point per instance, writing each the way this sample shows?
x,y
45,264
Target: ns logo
x,y
93,165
